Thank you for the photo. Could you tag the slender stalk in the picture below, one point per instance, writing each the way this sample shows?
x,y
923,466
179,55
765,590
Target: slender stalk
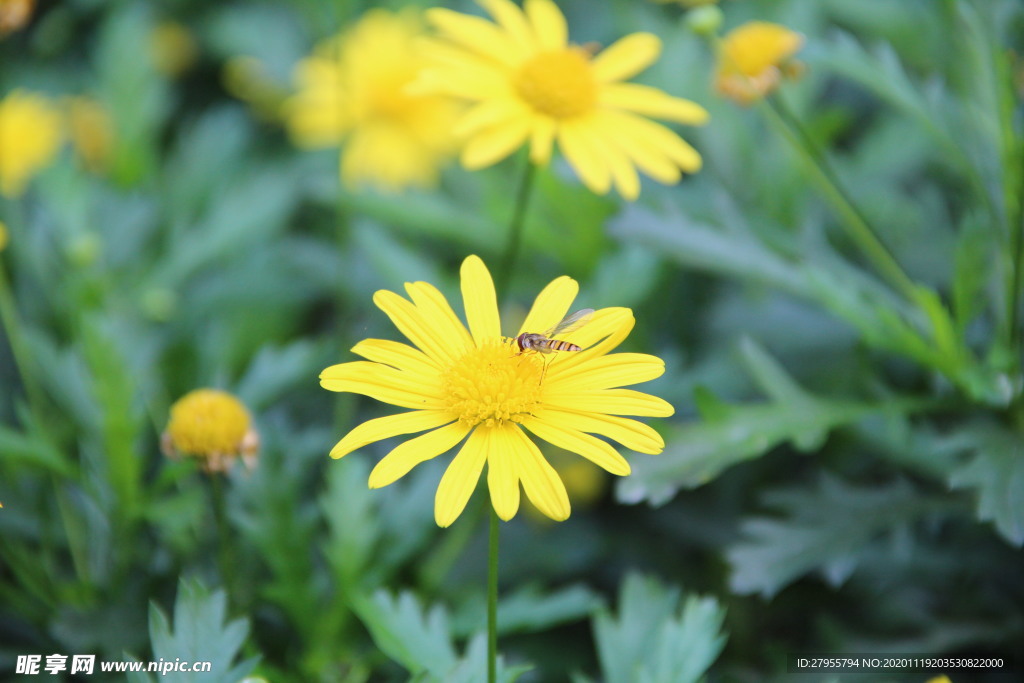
x,y
492,598
224,555
857,226
19,349
515,228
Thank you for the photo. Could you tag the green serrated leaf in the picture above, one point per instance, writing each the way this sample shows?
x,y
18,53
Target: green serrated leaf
x,y
529,609
201,633
769,376
32,451
697,453
419,640
351,520
995,472
650,643
821,529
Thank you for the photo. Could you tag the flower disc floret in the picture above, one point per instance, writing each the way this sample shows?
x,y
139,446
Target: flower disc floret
x,y
492,385
559,84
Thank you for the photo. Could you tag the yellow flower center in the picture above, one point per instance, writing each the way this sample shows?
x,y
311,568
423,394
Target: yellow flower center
x,y
559,83
208,422
387,99
491,384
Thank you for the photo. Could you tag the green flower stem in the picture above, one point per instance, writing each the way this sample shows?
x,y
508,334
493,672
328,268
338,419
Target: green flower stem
x,y
515,228
856,224
11,324
224,553
492,598
504,277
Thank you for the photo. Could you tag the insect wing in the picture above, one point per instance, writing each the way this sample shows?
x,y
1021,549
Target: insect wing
x,y
571,322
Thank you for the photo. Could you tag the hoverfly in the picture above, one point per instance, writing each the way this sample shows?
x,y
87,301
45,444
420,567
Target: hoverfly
x,y
544,343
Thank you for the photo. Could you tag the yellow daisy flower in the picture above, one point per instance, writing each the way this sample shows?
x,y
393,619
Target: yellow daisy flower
x,y
212,426
30,135
529,84
475,383
354,90
753,59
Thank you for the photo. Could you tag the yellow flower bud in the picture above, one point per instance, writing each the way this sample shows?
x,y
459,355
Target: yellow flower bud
x,y
753,60
211,425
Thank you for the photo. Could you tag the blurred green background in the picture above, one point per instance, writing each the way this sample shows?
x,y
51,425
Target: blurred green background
x,y
845,471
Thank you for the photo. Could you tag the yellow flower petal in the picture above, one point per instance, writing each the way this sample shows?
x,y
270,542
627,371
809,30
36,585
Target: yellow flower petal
x,y
405,456
624,176
489,113
605,331
584,158
627,57
502,475
542,139
476,34
541,482
548,24
649,101
384,384
607,371
397,355
611,402
591,448
632,434
480,300
551,305
447,326
386,427
409,321
460,480
511,18
656,136
490,146
649,158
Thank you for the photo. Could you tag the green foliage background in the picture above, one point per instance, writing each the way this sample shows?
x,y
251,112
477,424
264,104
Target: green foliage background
x,y
845,472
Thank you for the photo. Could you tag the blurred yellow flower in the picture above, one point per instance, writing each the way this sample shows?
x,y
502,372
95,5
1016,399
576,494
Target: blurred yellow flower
x,y
939,679
211,425
3,235
530,85
91,130
30,135
14,14
475,383
753,59
353,91
172,48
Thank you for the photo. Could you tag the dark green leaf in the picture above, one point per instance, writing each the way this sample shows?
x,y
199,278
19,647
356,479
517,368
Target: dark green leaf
x,y
822,529
200,633
652,641
995,471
